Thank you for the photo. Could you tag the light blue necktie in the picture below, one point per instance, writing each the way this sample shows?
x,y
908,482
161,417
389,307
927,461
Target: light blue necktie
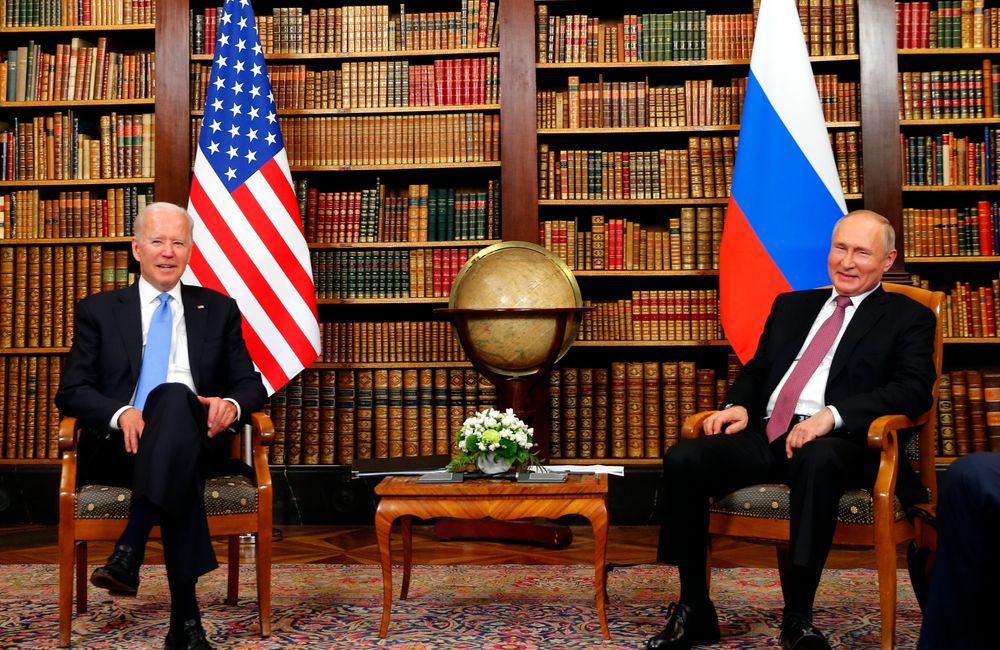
x,y
154,360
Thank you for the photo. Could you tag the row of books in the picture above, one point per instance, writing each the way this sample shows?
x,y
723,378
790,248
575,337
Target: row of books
x,y
830,28
337,416
390,342
952,23
948,159
703,170
71,13
968,412
579,38
629,104
699,102
78,71
973,311
40,286
420,273
64,147
945,94
664,315
967,231
690,242
629,409
29,420
417,213
361,29
374,84
25,215
392,139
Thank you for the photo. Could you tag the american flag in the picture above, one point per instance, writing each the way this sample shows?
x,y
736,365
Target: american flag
x,y
248,240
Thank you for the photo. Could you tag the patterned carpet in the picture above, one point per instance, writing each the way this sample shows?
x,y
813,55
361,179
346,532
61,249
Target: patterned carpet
x,y
512,607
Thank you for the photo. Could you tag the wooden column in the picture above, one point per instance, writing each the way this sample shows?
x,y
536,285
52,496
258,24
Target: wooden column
x,y
880,116
518,146
173,102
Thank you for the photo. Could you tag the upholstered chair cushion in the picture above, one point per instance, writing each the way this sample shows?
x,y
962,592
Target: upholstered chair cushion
x,y
770,501
224,495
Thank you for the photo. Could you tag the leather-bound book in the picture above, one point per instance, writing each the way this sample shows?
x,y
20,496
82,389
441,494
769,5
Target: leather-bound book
x,y
364,415
346,414
310,416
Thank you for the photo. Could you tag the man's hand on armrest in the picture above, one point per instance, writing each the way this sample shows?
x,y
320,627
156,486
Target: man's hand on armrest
x,y
728,420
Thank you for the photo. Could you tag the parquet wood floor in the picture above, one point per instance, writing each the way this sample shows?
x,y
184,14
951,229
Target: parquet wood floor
x,y
30,544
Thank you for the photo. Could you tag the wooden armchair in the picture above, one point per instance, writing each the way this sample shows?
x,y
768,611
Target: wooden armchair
x,y
98,512
867,520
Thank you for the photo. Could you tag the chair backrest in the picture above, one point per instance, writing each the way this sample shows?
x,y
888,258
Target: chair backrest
x,y
933,300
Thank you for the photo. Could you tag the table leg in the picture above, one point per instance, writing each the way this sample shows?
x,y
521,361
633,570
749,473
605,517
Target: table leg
x,y
383,532
599,522
406,526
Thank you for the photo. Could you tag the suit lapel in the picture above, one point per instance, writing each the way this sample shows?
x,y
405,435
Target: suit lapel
x,y
195,314
869,313
128,317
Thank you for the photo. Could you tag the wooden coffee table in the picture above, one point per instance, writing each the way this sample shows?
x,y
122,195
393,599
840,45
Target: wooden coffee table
x,y
401,497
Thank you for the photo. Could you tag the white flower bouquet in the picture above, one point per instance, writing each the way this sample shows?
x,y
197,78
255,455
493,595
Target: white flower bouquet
x,y
490,439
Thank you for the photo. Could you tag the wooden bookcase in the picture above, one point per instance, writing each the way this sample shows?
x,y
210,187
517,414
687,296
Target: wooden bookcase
x,y
525,212
79,162
949,126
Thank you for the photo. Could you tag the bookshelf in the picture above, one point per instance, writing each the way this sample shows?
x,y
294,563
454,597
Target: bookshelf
x,y
949,119
77,161
392,122
365,328
638,118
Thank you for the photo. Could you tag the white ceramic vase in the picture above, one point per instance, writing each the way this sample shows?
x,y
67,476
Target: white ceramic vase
x,y
489,464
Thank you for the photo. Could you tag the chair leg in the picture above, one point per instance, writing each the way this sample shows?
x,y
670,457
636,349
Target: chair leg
x,y
65,590
233,571
885,557
264,577
81,577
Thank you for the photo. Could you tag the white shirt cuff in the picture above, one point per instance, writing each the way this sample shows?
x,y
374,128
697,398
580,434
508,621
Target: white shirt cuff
x,y
838,421
118,414
239,411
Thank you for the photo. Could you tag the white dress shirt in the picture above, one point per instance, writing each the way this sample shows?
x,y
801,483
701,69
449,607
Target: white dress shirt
x,y
179,363
813,397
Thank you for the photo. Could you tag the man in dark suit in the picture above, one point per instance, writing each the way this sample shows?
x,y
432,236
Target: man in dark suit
x,y
156,372
873,356
963,594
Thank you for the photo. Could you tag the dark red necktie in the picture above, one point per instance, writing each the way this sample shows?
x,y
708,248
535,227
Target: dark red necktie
x,y
784,406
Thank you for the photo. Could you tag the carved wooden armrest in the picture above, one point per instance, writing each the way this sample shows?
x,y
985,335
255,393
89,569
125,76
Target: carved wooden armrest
x,y
883,430
694,425
68,434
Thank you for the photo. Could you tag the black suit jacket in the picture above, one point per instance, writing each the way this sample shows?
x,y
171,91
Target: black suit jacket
x,y
883,363
102,369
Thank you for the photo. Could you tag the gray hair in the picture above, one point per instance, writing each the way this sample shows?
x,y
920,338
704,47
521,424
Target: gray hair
x,y
159,206
888,232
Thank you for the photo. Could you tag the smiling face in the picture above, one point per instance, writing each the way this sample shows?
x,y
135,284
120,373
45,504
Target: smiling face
x,y
858,256
163,248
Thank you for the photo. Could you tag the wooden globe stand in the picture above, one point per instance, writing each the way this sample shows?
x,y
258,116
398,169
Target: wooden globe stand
x,y
516,391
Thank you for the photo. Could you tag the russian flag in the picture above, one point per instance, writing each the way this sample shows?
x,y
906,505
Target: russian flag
x,y
786,194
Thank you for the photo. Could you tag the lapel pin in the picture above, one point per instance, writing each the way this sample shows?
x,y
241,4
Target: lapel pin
x,y
201,306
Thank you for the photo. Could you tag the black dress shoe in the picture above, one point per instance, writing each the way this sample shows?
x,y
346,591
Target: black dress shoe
x,y
120,574
687,627
191,636
798,633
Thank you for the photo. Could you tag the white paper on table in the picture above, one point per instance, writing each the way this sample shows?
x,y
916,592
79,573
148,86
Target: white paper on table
x,y
617,470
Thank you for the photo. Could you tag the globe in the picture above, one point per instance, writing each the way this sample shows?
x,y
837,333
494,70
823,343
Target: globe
x,y
512,296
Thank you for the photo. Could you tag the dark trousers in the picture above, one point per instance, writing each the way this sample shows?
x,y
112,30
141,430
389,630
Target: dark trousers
x,y
964,595
713,466
169,471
